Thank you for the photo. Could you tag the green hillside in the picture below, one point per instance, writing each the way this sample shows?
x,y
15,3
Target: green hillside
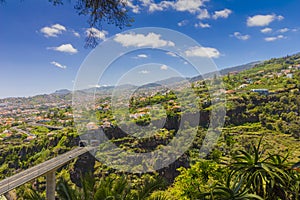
x,y
253,157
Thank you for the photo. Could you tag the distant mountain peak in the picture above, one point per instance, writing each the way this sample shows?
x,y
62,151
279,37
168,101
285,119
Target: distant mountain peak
x,y
62,91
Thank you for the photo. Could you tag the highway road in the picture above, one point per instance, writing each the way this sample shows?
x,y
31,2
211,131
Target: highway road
x,y
47,126
22,131
27,175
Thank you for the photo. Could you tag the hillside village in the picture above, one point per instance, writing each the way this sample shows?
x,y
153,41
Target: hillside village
x,y
261,101
269,77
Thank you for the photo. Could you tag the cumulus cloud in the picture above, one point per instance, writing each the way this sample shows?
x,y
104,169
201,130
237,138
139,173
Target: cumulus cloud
x,y
53,31
183,22
156,7
164,67
280,17
93,32
139,40
135,8
142,56
202,52
171,54
222,13
266,30
203,14
188,5
144,72
59,27
94,86
272,39
76,34
152,6
191,6
202,25
56,64
66,48
283,30
262,20
239,36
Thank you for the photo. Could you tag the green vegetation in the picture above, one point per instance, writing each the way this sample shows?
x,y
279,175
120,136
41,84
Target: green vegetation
x,y
252,159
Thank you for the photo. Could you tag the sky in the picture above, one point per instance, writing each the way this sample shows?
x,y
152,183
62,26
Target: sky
x,y
42,46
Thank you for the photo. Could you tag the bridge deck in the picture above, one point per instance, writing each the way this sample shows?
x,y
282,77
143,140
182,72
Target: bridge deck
x,y
29,174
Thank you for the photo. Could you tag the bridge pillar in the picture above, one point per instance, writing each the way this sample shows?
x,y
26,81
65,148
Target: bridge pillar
x,y
50,185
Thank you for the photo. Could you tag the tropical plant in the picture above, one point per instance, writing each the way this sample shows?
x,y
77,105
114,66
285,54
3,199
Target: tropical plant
x,y
148,186
31,194
110,188
231,190
263,176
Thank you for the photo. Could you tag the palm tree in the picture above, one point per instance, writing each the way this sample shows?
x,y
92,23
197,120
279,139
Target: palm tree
x,y
264,176
110,188
231,190
148,186
294,187
31,194
66,192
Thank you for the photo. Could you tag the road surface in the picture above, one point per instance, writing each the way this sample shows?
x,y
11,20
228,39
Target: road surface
x,y
40,169
24,132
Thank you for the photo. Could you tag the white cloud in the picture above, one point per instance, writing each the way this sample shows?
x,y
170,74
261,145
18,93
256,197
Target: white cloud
x,y
135,8
76,34
156,7
266,30
188,5
191,6
262,20
202,52
283,30
222,13
151,5
144,72
203,14
239,36
59,27
56,64
272,39
139,40
171,54
66,48
146,2
53,31
93,32
280,17
94,86
164,67
142,56
183,22
202,25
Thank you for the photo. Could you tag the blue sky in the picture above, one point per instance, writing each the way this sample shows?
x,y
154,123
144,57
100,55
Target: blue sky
x,y
42,46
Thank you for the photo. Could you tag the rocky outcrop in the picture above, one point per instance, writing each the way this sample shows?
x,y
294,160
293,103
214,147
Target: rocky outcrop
x,y
83,166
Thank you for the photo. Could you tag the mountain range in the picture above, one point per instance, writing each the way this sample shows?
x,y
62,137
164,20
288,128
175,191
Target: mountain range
x,y
168,81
